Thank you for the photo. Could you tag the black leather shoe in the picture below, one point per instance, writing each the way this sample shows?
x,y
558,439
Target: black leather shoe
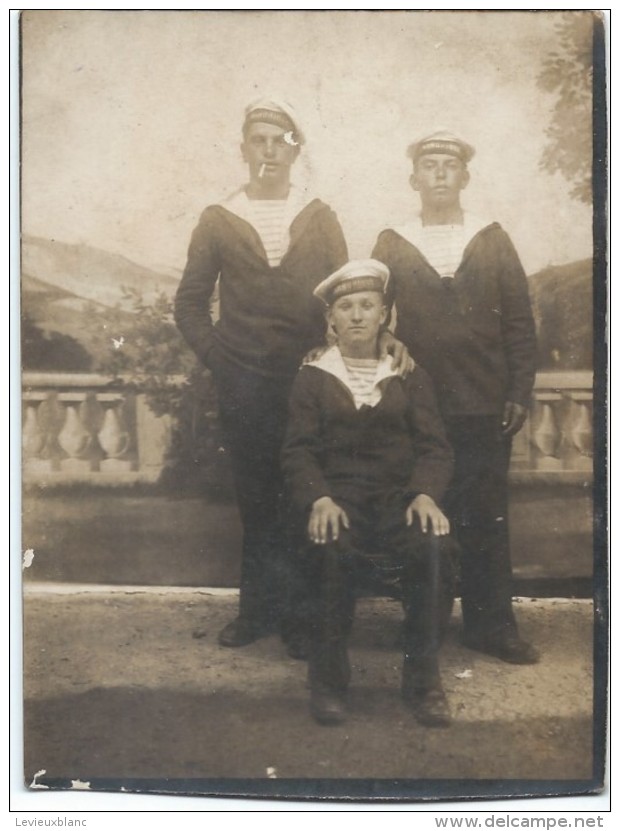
x,y
420,675
327,707
510,649
239,633
430,708
297,648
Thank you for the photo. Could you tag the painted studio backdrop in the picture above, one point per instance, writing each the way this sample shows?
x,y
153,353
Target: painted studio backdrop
x,y
131,126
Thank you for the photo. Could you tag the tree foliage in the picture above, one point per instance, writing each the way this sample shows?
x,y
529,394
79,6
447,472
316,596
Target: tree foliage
x,y
567,73
150,353
152,358
50,351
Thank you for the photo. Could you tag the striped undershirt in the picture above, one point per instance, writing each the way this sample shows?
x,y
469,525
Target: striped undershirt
x,y
443,247
269,219
362,373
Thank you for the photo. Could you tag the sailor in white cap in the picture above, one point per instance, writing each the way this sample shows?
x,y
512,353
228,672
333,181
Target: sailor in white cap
x,y
274,110
354,276
443,143
268,245
464,312
366,463
272,140
439,175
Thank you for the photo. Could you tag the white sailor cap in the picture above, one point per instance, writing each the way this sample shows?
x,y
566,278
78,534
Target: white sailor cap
x,y
354,276
273,110
441,142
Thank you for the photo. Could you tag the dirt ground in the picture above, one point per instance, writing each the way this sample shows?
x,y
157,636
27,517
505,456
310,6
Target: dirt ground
x,y
128,685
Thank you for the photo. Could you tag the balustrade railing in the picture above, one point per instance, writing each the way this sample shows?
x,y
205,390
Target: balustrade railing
x,y
555,443
81,428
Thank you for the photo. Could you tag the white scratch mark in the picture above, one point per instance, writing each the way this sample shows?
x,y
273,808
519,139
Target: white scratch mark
x,y
288,138
466,673
78,785
499,519
439,44
35,784
28,558
272,773
118,343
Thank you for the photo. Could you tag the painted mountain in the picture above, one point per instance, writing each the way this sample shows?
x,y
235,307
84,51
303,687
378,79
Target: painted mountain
x,y
65,291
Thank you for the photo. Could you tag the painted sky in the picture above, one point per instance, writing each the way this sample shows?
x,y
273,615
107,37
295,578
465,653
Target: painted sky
x,y
131,120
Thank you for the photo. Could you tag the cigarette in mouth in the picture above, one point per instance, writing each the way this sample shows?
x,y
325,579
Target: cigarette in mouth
x,y
261,171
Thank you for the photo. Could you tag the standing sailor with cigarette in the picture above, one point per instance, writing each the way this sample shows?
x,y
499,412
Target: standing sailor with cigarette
x,y
269,245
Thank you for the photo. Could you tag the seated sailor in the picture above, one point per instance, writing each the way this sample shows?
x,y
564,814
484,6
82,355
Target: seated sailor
x,y
366,463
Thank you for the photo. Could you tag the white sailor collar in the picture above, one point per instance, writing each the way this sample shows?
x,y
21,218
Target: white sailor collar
x,y
413,231
332,362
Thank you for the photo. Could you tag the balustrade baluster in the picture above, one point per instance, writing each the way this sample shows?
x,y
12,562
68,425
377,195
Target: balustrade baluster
x,y
75,440
114,441
580,436
546,437
33,438
40,429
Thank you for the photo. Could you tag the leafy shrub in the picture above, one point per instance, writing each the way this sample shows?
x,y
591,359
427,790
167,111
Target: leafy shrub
x,y
43,351
152,358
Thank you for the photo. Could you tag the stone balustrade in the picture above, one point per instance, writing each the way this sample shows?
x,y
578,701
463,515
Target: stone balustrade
x,y
82,428
555,443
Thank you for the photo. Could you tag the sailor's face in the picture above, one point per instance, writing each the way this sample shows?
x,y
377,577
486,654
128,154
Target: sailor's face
x,y
439,178
269,152
357,318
